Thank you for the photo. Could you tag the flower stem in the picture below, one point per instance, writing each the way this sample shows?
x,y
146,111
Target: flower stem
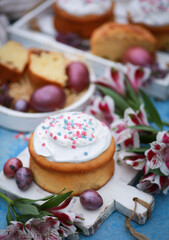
x,y
4,197
13,210
165,123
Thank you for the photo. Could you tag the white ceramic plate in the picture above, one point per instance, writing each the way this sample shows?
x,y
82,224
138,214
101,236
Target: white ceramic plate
x,y
27,122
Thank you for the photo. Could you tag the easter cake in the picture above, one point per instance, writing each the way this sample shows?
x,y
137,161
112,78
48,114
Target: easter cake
x,y
71,150
154,16
112,39
81,16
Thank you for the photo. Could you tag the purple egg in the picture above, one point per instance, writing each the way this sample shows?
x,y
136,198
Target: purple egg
x,y
21,105
91,200
23,178
78,76
48,98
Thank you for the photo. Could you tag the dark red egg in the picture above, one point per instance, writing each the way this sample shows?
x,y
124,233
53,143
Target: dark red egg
x,y
137,56
78,76
11,166
91,200
48,98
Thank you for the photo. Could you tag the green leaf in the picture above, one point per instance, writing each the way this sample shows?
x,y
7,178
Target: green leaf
x,y
165,123
25,209
41,214
79,230
135,100
138,150
152,112
144,128
133,105
147,137
55,201
119,101
30,201
157,172
44,213
164,186
9,216
4,197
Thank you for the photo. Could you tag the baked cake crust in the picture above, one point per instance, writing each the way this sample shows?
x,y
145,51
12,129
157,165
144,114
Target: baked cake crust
x,y
152,16
8,74
161,33
112,39
55,176
82,25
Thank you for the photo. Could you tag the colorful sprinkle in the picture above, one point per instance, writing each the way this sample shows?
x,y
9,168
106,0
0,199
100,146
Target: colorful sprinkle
x,y
76,130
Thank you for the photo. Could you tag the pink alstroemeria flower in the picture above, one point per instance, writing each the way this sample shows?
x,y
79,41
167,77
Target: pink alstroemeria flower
x,y
66,217
137,75
136,118
158,154
15,231
103,109
113,78
125,136
146,168
43,228
137,161
153,183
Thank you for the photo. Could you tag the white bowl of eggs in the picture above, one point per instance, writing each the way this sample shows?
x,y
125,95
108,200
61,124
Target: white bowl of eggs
x,y
30,106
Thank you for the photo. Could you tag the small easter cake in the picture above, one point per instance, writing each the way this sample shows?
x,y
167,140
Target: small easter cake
x,y
82,16
153,15
71,150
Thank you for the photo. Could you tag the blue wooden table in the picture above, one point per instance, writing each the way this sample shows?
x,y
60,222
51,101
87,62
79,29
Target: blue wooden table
x,y
157,227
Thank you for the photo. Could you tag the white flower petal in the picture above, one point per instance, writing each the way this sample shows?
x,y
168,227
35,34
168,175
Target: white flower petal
x,y
164,169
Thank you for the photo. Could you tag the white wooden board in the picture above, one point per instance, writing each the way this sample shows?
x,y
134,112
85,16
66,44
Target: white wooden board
x,y
116,194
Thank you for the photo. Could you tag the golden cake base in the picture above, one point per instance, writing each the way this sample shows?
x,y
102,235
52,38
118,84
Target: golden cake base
x,y
55,176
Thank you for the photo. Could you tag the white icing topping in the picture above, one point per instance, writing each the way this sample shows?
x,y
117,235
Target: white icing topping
x,y
71,137
85,7
150,12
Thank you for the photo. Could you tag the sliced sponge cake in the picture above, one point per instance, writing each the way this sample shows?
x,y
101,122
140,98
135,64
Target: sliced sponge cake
x,y
13,60
47,67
